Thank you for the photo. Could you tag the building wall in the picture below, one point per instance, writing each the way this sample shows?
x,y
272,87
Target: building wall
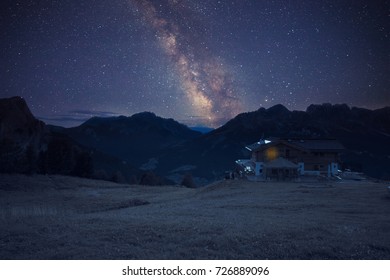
x,y
312,161
276,151
280,173
319,161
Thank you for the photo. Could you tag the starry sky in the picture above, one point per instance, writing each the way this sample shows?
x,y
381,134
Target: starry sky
x,y
200,62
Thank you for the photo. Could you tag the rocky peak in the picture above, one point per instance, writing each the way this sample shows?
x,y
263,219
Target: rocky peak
x,y
278,110
17,124
327,110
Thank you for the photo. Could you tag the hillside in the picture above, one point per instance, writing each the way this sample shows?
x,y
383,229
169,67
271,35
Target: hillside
x,y
17,123
172,150
58,217
147,145
364,133
22,136
28,145
136,139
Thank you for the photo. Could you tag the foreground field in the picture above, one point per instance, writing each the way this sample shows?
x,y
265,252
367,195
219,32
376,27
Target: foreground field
x,y
56,217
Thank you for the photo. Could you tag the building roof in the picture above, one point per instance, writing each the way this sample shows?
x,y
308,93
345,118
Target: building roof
x,y
302,144
280,162
257,145
318,144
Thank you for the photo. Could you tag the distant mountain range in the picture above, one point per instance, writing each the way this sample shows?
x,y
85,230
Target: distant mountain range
x,y
29,146
364,133
134,139
202,129
148,144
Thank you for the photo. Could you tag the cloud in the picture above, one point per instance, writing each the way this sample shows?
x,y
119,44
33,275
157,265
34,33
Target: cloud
x,y
62,118
93,113
75,117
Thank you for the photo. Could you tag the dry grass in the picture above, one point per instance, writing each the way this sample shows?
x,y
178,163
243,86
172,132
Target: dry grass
x,y
57,217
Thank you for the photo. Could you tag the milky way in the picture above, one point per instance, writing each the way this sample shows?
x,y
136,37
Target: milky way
x,y
200,62
203,78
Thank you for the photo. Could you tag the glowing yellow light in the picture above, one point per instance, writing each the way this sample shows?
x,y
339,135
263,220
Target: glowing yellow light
x,y
271,153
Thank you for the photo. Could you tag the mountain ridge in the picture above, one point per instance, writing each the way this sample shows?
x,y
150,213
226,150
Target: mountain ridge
x,y
124,137
364,133
169,148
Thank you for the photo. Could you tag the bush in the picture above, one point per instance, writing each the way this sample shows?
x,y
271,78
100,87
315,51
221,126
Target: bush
x,y
150,179
100,175
188,181
60,156
118,177
83,166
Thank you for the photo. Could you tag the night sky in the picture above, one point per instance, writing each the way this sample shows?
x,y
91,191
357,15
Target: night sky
x,y
200,62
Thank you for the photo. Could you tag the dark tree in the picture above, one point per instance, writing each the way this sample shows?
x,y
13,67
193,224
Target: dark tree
x,y
118,177
83,166
150,179
188,181
31,160
60,158
42,163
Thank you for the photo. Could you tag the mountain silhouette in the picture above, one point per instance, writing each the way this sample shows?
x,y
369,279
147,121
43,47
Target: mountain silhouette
x,y
27,145
364,133
167,148
22,136
136,139
18,124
